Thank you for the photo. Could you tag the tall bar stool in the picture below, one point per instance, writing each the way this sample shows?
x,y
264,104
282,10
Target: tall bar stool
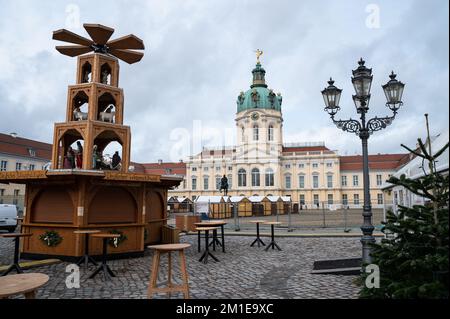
x,y
168,249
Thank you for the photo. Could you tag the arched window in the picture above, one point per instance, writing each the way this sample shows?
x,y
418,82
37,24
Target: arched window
x,y
242,177
255,177
255,132
270,133
269,177
105,74
287,181
243,134
86,73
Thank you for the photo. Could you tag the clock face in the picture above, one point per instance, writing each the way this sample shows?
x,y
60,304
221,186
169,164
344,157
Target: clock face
x,y
255,116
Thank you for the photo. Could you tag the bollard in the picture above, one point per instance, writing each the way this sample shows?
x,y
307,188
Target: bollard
x,y
236,218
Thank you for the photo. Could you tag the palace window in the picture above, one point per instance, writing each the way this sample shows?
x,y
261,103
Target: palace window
x,y
255,177
379,180
31,167
301,165
3,165
194,169
344,180
243,134
287,181
301,181
302,199
344,199
315,181
315,165
269,177
218,179
270,133
380,199
329,164
230,181
18,166
330,199
356,199
255,133
330,181
316,199
355,180
194,183
205,183
242,177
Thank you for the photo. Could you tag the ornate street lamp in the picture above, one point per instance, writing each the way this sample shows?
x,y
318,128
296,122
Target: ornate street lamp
x,y
362,82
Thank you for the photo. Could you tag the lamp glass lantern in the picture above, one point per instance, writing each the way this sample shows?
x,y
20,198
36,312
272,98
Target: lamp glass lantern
x,y
331,96
362,79
393,90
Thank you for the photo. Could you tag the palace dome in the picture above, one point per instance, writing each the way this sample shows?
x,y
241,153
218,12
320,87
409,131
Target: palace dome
x,y
259,96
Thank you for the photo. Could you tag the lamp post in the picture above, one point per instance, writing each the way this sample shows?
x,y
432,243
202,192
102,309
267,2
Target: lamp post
x,y
362,81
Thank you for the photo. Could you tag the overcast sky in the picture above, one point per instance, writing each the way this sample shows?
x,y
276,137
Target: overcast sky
x,y
199,56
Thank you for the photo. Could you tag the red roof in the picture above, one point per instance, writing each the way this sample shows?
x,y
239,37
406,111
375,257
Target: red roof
x,y
164,168
18,146
305,148
379,161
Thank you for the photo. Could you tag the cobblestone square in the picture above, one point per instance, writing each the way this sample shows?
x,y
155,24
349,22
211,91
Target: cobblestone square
x,y
242,272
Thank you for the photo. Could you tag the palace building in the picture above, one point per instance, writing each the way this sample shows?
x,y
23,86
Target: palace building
x,y
262,164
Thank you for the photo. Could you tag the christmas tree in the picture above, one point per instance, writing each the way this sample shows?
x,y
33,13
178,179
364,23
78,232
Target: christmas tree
x,y
413,259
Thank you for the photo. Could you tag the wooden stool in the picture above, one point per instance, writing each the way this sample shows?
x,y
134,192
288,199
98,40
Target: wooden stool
x,y
162,249
86,258
107,272
22,284
15,264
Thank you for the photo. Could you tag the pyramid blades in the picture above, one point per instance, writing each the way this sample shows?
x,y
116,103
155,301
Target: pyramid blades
x,y
73,50
100,34
67,36
127,42
127,55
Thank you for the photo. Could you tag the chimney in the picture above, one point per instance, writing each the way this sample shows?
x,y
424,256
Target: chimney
x,y
160,161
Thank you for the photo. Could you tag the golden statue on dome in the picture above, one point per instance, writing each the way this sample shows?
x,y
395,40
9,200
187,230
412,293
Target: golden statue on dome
x,y
258,54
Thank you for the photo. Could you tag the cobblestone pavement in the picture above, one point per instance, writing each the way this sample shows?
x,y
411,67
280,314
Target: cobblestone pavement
x,y
242,272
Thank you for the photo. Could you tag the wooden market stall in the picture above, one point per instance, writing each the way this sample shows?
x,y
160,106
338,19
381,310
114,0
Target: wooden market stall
x,y
261,206
244,205
84,189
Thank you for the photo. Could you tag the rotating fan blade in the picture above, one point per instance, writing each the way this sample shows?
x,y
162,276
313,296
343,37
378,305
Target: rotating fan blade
x,y
73,50
100,34
67,36
127,42
127,55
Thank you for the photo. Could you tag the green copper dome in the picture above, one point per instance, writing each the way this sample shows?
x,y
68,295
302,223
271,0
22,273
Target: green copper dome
x,y
259,96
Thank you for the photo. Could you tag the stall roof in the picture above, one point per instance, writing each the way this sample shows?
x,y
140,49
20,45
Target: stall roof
x,y
273,198
256,199
209,199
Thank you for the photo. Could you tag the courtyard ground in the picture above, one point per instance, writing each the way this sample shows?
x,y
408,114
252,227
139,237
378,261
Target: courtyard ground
x,y
242,272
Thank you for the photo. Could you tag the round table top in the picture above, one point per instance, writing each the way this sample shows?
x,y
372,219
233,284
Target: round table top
x,y
87,231
21,283
206,228
169,247
103,235
210,223
272,223
14,235
257,221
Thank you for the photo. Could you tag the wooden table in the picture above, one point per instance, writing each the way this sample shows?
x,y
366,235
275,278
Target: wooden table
x,y
168,248
206,253
272,243
258,239
107,272
213,223
86,258
15,265
22,284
